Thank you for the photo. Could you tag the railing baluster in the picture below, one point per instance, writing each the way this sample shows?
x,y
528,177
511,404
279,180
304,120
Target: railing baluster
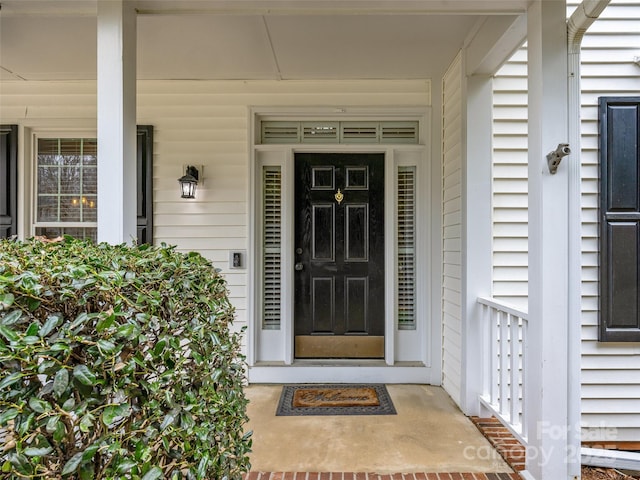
x,y
523,407
486,351
504,363
493,348
514,351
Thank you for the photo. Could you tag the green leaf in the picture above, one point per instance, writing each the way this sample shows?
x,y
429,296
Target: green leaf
x,y
127,330
37,452
86,422
105,322
52,322
105,346
11,317
31,339
87,471
9,334
25,425
10,380
60,347
84,375
80,319
61,382
125,465
113,412
153,474
7,415
169,419
60,432
69,404
39,406
33,329
72,464
159,347
6,300
202,466
90,451
52,423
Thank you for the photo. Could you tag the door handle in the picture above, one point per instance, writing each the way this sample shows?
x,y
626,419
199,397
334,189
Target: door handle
x,y
299,267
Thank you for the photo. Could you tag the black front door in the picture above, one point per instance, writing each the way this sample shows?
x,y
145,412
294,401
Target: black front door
x,y
339,255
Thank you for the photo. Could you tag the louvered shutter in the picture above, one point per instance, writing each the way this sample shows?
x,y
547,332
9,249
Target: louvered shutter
x,y
406,246
272,241
620,219
144,200
8,180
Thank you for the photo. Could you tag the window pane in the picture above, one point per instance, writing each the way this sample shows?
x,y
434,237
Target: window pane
x,y
71,148
70,180
48,152
90,152
69,209
48,180
47,208
90,180
89,208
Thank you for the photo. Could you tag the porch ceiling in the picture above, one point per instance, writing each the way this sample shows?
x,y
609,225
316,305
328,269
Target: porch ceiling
x,y
252,39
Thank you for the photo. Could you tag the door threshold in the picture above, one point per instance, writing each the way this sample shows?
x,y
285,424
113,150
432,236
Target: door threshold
x,y
341,371
340,362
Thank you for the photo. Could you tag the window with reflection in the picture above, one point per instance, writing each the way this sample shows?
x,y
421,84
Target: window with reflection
x,y
66,187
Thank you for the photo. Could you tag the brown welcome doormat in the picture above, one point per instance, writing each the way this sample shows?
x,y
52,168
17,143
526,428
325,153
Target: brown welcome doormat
x,y
340,399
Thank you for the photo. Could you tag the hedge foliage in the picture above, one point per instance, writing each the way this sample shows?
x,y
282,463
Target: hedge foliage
x,y
117,362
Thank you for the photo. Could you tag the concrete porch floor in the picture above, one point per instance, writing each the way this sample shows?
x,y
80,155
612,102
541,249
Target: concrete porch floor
x,y
428,434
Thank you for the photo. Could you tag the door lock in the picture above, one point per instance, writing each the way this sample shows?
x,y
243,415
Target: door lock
x,y
299,267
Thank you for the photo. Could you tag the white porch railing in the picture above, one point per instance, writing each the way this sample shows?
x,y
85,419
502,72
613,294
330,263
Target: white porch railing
x,y
504,361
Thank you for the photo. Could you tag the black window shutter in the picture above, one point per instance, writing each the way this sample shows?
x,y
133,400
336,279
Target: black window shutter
x,y
8,180
144,201
619,219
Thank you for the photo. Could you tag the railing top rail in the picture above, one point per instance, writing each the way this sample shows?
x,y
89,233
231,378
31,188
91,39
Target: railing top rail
x,y
503,307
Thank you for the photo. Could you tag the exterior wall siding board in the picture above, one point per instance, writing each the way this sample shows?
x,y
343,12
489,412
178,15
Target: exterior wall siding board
x,y
452,218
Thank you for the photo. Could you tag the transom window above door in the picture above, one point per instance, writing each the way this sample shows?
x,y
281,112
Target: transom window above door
x,y
345,132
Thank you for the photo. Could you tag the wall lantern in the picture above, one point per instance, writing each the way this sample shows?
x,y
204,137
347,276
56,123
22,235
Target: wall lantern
x,y
188,182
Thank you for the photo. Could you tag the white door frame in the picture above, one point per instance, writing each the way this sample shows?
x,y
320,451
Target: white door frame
x,y
409,354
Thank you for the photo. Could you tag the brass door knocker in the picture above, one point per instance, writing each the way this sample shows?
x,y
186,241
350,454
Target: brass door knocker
x,y
339,197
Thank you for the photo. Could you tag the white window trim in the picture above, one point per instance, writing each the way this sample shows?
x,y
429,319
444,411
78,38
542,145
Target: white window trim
x,y
280,342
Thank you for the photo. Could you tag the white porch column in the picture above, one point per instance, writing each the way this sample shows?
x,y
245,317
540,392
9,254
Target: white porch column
x,y
476,231
546,383
116,121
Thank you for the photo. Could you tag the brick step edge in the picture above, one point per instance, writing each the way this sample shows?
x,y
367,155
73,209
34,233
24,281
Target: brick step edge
x,y
377,476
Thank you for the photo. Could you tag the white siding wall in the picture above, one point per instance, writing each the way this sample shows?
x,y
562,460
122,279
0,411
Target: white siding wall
x,y
451,224
610,372
510,243
200,123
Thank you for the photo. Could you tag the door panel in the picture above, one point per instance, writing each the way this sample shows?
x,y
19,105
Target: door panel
x,y
339,242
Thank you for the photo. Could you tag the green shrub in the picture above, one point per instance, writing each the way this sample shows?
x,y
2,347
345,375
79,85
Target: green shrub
x,y
117,362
